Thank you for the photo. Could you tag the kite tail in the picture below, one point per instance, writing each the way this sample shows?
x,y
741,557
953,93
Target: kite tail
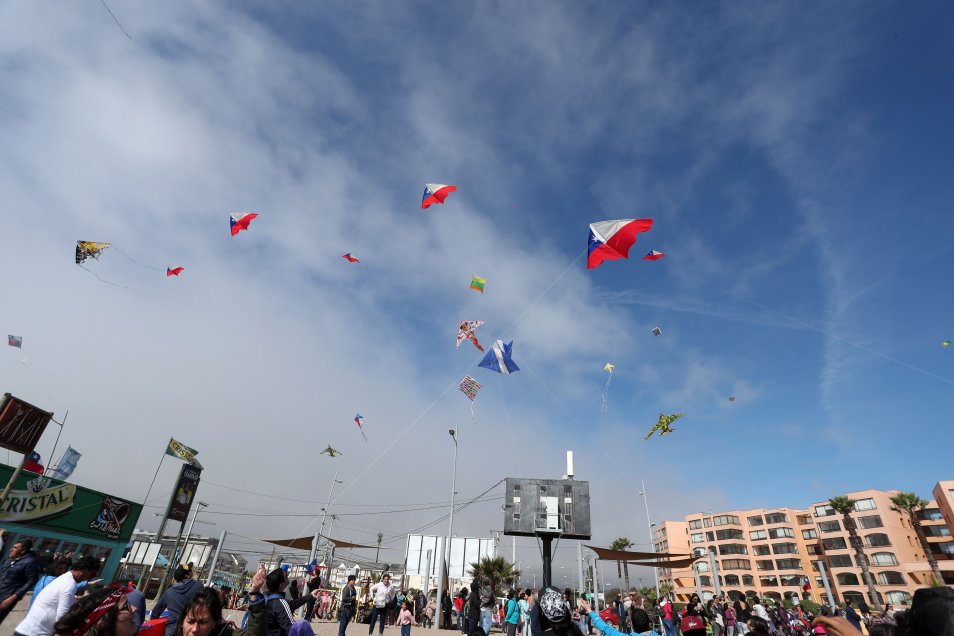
x,y
155,269
363,435
606,392
102,280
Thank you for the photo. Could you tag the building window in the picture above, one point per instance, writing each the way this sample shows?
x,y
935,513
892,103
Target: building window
x,y
829,526
695,524
736,564
898,598
804,520
724,535
791,580
699,552
781,533
890,578
755,535
839,561
776,517
705,580
847,578
707,522
710,537
785,548
516,518
733,548
764,565
936,531
871,521
811,533
819,583
824,511
702,566
697,538
761,550
865,504
788,564
748,579
883,558
732,579
756,520
877,539
768,581
945,548
812,548
835,543
726,520
932,514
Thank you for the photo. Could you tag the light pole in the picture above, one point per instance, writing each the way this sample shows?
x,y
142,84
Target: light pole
x,y
314,542
185,543
650,525
445,553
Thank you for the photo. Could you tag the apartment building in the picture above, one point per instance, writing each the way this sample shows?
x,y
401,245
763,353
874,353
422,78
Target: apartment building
x,y
770,552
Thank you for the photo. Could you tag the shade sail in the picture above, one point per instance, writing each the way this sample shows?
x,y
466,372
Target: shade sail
x,y
304,543
672,564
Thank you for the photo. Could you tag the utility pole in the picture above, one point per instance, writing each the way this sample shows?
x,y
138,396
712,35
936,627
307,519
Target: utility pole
x,y
377,554
314,542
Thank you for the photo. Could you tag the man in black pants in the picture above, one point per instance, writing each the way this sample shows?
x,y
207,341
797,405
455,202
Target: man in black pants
x,y
349,602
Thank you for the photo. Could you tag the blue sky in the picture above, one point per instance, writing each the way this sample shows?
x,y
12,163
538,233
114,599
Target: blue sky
x,y
796,161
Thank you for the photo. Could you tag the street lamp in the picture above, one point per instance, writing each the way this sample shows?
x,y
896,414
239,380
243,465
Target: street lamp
x,y
445,553
185,543
650,525
314,543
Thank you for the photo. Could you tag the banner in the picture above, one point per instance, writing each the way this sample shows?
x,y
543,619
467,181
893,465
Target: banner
x,y
66,465
21,424
180,450
184,492
26,506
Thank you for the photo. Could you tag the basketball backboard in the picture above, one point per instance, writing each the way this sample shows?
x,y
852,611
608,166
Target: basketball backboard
x,y
547,507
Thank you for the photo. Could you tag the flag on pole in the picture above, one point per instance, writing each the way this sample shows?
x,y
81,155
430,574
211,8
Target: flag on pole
x,y
66,465
469,387
806,584
180,450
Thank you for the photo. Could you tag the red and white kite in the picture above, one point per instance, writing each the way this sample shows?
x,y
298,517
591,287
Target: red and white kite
x,y
610,240
239,222
351,259
435,193
173,271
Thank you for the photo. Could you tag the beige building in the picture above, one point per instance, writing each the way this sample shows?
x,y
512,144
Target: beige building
x,y
771,552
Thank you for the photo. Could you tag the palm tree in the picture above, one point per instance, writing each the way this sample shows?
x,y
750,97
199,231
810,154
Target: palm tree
x,y
621,544
497,569
911,504
845,505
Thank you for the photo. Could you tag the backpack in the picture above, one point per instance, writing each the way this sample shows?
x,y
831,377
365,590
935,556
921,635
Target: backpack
x,y
486,596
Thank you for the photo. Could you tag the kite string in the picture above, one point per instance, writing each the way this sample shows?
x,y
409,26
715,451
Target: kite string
x,y
513,440
155,269
102,280
109,11
825,332
544,292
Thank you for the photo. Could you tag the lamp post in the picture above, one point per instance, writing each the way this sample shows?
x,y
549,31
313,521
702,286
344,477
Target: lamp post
x,y
650,525
185,543
445,552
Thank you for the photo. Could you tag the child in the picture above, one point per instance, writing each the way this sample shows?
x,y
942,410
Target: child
x,y
405,618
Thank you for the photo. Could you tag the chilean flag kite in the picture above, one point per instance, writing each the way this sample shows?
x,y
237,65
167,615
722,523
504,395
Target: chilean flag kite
x,y
239,222
173,271
610,240
654,256
435,193
351,259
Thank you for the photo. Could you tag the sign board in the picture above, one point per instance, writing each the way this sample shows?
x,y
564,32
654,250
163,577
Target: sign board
x,y
463,552
50,504
536,507
197,554
184,492
143,553
21,424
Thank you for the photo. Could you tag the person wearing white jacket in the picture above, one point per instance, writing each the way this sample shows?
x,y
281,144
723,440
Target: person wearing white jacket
x,y
54,600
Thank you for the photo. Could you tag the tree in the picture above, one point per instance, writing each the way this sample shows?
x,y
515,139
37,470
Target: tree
x,y
844,505
497,569
622,544
910,504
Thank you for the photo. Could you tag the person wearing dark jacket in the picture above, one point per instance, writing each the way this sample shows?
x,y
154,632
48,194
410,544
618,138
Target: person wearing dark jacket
x,y
639,617
177,597
18,575
348,606
278,610
313,584
473,610
853,617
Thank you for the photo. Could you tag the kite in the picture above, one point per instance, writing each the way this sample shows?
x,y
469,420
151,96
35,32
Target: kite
x,y
173,271
15,341
609,369
657,331
469,387
89,249
350,258
357,420
610,240
498,358
239,222
332,452
466,330
435,193
654,256
663,425
314,567
477,283
947,343
731,398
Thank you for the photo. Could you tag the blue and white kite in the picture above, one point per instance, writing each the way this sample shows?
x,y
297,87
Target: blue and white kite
x,y
498,358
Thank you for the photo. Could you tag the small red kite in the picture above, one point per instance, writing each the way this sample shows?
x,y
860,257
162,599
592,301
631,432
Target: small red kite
x,y
173,271
351,259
